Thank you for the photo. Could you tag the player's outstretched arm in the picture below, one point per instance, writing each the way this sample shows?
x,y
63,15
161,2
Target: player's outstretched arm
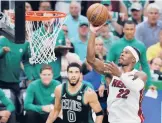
x,y
57,106
135,84
92,99
97,64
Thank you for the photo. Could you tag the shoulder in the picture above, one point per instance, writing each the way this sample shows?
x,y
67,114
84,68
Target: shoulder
x,y
140,44
90,95
117,43
89,92
152,47
87,84
1,93
3,40
83,18
58,90
141,25
141,75
56,82
34,83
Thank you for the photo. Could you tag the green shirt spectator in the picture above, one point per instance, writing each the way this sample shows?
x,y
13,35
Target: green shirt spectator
x,y
39,95
11,55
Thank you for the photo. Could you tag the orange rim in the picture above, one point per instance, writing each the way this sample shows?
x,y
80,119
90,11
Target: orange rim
x,y
38,15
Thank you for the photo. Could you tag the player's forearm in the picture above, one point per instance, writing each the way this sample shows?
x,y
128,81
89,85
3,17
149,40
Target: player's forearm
x,y
91,49
134,85
99,119
118,28
52,116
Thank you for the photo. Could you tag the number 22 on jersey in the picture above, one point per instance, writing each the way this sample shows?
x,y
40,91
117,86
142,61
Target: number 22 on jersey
x,y
123,93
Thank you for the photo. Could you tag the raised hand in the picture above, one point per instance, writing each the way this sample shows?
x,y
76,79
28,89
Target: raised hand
x,y
6,49
95,29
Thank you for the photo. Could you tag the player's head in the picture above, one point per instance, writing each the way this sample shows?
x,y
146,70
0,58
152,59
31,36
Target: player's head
x,y
28,6
45,6
156,64
46,74
153,13
75,9
129,56
74,71
129,29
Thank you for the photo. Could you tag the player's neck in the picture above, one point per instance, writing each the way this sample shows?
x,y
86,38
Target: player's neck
x,y
74,89
127,69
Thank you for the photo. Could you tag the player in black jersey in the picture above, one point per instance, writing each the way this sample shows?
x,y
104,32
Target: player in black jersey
x,y
76,100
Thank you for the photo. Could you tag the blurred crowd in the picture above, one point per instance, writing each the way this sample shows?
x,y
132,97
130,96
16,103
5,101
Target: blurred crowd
x,y
145,35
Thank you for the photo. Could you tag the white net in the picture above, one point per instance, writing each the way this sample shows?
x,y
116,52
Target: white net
x,y
42,37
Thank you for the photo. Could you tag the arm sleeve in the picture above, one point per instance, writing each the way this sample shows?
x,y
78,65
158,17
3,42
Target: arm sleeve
x,y
7,102
134,85
145,66
28,104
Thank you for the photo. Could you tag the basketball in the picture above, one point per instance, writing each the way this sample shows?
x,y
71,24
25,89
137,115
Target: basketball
x,y
97,14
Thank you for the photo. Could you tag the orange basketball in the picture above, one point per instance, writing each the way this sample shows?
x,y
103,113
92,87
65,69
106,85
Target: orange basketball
x,y
97,14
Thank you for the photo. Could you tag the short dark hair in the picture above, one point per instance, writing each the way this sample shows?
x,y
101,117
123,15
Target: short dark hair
x,y
46,67
47,2
129,22
74,64
138,52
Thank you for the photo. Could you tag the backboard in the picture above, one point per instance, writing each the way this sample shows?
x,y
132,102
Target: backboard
x,y
16,31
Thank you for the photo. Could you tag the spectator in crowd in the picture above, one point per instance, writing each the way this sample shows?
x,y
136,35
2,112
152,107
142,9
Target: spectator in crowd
x,y
119,6
32,70
155,66
80,45
157,2
45,5
107,37
65,29
100,49
11,55
114,24
136,13
39,96
129,40
155,50
129,3
7,115
28,6
148,31
63,5
73,20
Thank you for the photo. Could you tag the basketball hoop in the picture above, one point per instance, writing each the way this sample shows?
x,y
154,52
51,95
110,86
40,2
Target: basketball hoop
x,y
42,29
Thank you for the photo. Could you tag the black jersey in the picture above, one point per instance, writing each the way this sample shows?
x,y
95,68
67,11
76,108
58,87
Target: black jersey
x,y
73,107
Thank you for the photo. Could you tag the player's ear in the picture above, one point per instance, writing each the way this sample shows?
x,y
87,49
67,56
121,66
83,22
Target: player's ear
x,y
133,60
